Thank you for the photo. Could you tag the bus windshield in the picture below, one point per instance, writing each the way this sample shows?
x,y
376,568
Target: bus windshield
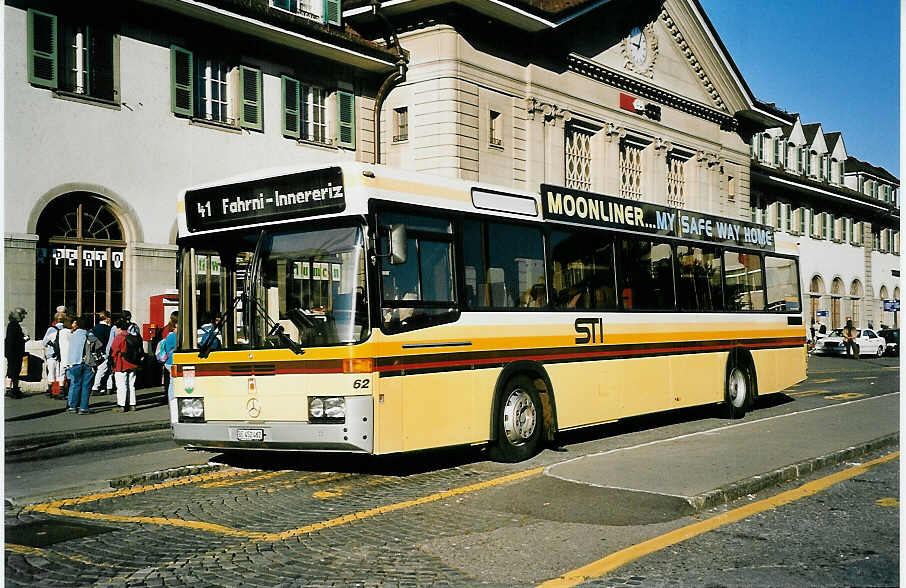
x,y
308,289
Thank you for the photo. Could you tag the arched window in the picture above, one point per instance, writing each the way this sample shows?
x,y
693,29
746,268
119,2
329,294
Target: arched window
x,y
856,293
885,319
81,256
816,291
836,297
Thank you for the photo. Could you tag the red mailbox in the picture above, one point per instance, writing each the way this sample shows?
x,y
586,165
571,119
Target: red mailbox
x,y
161,306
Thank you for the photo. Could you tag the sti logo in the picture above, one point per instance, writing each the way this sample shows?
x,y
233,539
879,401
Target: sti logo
x,y
590,330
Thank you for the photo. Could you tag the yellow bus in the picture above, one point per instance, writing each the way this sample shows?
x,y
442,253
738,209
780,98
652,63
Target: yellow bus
x,y
361,308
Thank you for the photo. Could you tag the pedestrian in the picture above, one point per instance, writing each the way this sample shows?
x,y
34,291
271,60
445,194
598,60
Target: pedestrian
x,y
131,326
108,378
849,339
165,355
123,369
79,373
53,358
14,350
92,357
170,327
104,371
65,337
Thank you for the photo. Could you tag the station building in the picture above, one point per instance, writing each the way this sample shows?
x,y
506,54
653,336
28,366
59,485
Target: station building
x,y
113,109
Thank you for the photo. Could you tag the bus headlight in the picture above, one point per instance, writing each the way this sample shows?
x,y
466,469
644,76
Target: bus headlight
x,y
191,410
326,409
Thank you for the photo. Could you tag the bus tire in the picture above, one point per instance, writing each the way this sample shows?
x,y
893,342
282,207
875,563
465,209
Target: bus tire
x,y
520,421
739,390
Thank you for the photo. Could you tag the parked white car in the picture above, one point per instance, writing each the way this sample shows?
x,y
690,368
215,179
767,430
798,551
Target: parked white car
x,y
868,341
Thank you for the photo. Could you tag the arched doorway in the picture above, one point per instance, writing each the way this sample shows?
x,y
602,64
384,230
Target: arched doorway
x,y
885,316
856,294
836,297
80,256
816,291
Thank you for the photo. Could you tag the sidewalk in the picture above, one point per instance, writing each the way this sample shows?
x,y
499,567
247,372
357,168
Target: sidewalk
x,y
37,427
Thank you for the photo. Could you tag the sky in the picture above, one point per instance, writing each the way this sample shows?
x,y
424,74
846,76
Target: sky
x,y
835,62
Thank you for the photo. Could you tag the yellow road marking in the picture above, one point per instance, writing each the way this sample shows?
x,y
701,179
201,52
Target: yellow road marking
x,y
864,378
339,490
54,508
224,483
823,381
26,550
887,502
805,393
630,554
846,396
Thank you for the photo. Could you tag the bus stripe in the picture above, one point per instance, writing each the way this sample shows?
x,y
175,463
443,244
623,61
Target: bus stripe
x,y
388,366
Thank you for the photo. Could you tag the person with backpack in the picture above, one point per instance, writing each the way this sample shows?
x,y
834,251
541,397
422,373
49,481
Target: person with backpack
x,y
102,330
92,357
79,374
127,354
14,350
208,335
53,362
165,355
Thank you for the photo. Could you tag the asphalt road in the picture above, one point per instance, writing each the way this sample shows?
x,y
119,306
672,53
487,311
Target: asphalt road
x,y
452,518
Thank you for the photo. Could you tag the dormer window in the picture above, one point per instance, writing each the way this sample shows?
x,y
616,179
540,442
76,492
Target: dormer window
x,y
778,159
821,168
760,148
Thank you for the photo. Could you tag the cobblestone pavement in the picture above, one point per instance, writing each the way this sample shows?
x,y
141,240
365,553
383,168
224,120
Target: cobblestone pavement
x,y
257,528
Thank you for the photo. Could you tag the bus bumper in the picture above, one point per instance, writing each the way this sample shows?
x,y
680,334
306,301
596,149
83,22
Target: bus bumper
x,y
356,434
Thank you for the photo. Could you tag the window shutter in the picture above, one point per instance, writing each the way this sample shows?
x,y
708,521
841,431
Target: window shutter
x,y
251,98
100,56
42,49
346,120
290,107
332,12
284,4
181,81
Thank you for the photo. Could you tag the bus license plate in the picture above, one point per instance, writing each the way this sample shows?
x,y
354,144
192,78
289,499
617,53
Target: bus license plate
x,y
250,434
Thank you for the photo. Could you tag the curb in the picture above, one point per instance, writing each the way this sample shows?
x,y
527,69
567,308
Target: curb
x,y
72,443
731,492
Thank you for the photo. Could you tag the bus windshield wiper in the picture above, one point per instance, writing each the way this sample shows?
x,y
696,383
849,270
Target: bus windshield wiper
x,y
276,335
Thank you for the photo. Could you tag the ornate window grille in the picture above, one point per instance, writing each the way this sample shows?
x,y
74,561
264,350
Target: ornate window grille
x,y
578,158
630,171
676,182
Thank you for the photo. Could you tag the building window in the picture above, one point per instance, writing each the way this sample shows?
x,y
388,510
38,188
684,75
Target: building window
x,y
494,132
214,92
676,183
630,170
821,167
800,160
803,221
578,158
731,188
83,52
202,88
777,151
760,147
401,124
314,114
80,256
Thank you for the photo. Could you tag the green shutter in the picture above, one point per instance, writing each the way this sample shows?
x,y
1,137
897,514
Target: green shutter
x,y
346,120
332,12
290,107
42,49
251,98
284,4
181,85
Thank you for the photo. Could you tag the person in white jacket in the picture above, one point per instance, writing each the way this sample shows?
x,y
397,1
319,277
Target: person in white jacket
x,y
53,362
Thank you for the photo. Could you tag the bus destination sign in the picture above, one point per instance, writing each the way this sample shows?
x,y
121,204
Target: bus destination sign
x,y
587,208
269,199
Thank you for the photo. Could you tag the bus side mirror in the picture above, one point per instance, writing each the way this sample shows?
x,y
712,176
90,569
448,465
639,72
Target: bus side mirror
x,y
398,244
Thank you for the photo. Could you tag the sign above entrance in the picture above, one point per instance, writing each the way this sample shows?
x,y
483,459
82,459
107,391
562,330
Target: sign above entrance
x,y
891,305
270,199
587,208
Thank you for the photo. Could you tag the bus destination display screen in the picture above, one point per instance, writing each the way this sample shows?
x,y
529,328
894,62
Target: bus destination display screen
x,y
587,208
269,199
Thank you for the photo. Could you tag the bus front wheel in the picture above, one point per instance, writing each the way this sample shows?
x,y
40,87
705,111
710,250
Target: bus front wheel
x,y
739,390
519,422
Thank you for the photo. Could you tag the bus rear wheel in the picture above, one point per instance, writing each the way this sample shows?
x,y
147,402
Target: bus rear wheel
x,y
738,394
519,422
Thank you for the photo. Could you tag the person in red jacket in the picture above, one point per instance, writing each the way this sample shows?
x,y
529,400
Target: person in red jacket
x,y
123,370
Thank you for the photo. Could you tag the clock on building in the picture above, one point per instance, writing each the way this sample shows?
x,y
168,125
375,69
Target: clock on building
x,y
640,49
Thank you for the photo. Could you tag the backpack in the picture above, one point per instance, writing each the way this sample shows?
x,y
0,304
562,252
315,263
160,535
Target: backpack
x,y
55,346
161,355
134,353
93,354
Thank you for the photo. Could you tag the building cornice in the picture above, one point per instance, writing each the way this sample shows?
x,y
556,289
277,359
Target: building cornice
x,y
643,89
